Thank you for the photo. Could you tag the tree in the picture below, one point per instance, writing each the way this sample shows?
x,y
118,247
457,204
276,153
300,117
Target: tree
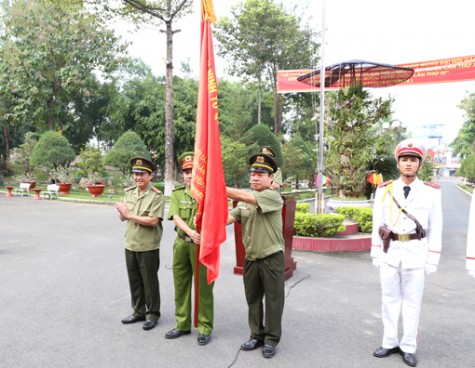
x,y
52,150
261,135
299,158
261,38
235,161
349,117
51,52
238,108
464,143
467,169
136,108
127,146
154,12
91,161
23,153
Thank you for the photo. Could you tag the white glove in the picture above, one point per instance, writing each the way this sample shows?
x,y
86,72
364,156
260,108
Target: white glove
x,y
429,268
376,263
472,273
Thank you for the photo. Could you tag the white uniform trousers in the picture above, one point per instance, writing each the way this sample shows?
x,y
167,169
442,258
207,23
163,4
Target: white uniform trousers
x,y
402,291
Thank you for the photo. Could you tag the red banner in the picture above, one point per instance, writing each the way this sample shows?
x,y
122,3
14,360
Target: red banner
x,y
208,185
457,69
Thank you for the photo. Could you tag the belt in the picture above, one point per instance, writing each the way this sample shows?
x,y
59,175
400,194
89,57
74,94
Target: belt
x,y
405,237
186,238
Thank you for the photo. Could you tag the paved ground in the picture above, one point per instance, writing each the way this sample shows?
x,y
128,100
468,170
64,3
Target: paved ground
x,y
63,291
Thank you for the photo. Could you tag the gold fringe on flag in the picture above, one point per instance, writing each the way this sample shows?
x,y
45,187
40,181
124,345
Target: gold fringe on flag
x,y
207,10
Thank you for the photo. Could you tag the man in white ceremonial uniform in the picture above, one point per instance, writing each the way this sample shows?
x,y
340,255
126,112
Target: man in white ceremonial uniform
x,y
413,230
471,239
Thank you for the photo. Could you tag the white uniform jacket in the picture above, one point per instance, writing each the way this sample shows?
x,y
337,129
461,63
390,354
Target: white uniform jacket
x,y
424,202
471,236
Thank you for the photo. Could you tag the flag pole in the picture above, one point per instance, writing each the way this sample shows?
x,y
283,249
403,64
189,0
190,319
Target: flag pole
x,y
197,286
208,185
320,200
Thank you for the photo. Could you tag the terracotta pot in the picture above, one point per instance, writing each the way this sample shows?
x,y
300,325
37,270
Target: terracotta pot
x,y
95,190
64,188
32,183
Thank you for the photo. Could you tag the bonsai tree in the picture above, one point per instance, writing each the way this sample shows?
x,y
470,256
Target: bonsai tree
x,y
126,147
52,150
61,174
91,165
21,156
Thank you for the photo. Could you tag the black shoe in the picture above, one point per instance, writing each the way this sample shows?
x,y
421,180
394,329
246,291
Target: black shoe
x,y
132,319
148,325
383,352
173,334
268,351
409,359
203,339
252,344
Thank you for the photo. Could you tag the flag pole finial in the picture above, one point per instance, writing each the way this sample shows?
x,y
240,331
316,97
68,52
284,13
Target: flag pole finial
x,y
207,11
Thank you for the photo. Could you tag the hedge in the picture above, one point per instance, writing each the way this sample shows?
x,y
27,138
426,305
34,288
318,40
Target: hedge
x,y
318,225
302,207
362,215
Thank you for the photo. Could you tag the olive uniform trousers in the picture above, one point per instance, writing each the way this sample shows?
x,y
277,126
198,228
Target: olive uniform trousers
x,y
265,278
184,263
142,268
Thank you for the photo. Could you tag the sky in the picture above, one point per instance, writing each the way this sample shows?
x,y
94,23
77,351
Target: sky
x,y
386,31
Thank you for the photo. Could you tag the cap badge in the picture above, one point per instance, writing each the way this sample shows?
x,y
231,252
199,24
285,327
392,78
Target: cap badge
x,y
188,158
139,162
409,145
260,159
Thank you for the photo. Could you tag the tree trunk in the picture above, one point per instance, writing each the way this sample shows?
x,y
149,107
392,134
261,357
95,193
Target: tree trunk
x,y
169,154
278,114
259,104
7,147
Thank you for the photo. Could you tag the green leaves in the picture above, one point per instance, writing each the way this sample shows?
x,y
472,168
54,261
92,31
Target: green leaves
x,y
318,226
51,53
52,150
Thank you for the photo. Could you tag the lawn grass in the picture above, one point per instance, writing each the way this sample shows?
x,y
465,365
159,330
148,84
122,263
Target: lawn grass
x,y
84,195
468,188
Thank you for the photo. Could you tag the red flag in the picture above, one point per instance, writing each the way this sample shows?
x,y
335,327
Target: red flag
x,y
208,185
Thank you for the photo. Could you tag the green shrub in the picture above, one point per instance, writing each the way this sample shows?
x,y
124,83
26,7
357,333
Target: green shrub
x,y
302,207
318,226
362,215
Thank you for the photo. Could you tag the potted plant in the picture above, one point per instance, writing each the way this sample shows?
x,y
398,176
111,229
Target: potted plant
x,y
94,184
27,179
63,177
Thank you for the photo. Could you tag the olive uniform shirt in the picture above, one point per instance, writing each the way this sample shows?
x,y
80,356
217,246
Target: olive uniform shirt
x,y
184,205
141,238
261,224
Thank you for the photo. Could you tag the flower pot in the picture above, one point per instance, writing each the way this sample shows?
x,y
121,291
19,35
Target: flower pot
x,y
64,188
95,190
31,182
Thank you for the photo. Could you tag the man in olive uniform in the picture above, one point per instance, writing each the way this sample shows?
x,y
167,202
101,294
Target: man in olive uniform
x,y
408,213
260,214
143,208
183,211
277,182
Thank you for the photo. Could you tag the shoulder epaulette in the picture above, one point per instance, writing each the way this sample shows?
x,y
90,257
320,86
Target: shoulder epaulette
x,y
386,183
130,188
179,188
158,191
433,185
